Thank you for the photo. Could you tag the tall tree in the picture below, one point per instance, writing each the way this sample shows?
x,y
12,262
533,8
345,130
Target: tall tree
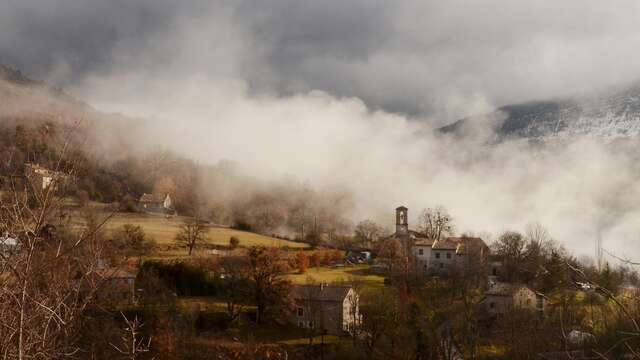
x,y
510,246
235,285
266,273
436,223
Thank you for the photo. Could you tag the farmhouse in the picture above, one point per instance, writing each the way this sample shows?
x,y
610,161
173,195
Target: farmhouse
x,y
502,298
156,203
438,256
328,309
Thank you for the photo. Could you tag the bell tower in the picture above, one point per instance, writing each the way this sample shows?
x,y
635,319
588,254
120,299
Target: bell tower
x,y
402,224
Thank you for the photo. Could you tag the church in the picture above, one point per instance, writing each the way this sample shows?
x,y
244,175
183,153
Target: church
x,y
437,256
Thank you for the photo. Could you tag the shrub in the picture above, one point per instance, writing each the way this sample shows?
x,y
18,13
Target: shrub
x,y
234,242
337,255
242,226
208,321
128,204
185,279
315,259
130,240
328,258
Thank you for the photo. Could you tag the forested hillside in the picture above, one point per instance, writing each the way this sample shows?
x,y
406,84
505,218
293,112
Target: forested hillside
x,y
114,162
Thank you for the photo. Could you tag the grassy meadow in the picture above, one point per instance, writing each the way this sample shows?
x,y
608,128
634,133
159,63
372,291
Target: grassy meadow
x,y
163,230
348,274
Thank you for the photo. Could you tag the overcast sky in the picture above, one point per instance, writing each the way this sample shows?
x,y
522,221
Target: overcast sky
x,y
436,60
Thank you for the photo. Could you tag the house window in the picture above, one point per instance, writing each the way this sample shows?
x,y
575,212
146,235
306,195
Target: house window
x,y
441,265
312,325
300,312
437,255
420,251
494,272
448,255
492,305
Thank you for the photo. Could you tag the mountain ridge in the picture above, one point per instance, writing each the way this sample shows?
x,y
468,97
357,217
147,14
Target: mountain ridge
x,y
611,115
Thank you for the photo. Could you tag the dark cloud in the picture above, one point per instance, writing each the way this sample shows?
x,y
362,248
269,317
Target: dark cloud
x,y
425,58
41,36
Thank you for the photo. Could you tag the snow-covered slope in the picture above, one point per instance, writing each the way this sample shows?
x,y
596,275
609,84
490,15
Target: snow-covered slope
x,y
610,116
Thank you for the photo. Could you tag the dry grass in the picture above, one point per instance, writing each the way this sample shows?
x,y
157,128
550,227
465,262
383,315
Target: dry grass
x,y
163,231
350,274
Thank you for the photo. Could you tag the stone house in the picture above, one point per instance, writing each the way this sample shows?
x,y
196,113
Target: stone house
x,y
156,203
328,309
42,178
502,298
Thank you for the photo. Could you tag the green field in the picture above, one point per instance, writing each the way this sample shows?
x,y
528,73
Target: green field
x,y
163,231
349,274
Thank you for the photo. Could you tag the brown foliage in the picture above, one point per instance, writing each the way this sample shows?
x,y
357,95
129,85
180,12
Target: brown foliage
x,y
302,260
315,259
271,291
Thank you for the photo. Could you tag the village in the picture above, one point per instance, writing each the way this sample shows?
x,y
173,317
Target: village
x,y
441,295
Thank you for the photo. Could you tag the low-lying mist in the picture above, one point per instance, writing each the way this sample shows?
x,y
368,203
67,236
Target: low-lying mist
x,y
576,188
191,78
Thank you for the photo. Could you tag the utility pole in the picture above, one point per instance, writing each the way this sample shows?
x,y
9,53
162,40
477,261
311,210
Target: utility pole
x,y
599,252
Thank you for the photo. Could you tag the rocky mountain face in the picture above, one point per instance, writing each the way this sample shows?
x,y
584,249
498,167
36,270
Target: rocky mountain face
x,y
610,116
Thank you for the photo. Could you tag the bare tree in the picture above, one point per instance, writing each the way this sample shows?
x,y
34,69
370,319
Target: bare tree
x,y
47,280
538,234
435,223
235,285
132,345
192,233
368,232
